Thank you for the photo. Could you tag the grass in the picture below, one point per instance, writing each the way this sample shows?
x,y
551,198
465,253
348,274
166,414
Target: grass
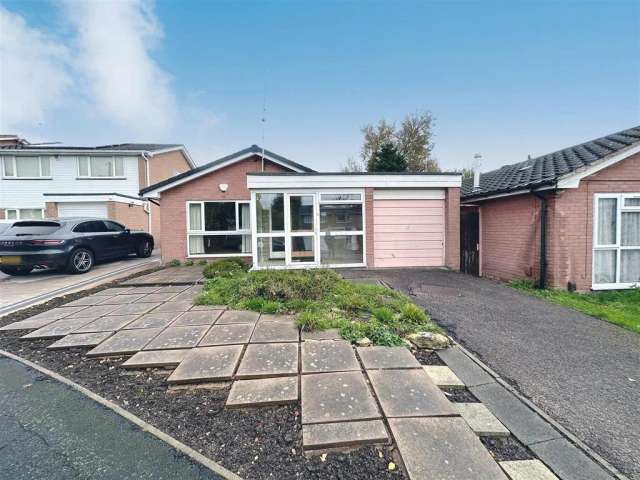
x,y
323,299
620,307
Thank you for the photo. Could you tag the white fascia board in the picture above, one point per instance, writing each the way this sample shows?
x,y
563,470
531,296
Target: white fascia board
x,y
257,181
174,149
409,194
92,198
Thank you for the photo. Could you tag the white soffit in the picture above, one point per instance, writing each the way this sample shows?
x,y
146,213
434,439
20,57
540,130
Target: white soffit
x,y
260,181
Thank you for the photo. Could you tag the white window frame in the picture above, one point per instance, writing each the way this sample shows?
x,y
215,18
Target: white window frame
x,y
288,234
18,216
12,159
93,177
237,231
617,246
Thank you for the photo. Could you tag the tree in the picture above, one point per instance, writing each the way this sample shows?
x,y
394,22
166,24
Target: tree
x,y
387,159
353,165
374,138
467,173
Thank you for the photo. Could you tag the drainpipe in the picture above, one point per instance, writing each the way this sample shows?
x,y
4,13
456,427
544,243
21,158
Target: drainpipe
x,y
146,158
543,239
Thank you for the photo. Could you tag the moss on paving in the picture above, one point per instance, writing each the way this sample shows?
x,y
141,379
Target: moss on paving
x,y
620,307
323,299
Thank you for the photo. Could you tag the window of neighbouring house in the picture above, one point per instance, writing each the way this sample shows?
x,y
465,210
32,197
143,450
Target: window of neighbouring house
x,y
26,167
100,167
218,228
616,250
24,213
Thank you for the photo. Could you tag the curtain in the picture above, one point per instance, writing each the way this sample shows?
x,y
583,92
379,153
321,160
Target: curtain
x,y
607,215
604,266
195,216
630,229
630,266
196,244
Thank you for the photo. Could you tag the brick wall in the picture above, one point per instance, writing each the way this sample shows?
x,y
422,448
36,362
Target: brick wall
x,y
452,228
173,222
132,216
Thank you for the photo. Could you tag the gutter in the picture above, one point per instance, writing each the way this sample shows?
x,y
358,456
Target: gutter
x,y
542,281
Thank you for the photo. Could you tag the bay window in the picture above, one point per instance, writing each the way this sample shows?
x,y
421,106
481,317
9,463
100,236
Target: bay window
x,y
616,245
26,167
100,167
218,228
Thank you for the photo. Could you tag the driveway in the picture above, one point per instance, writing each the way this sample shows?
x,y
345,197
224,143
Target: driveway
x,y
51,431
42,285
582,371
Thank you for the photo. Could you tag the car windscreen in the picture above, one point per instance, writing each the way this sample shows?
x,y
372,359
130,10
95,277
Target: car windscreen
x,y
32,228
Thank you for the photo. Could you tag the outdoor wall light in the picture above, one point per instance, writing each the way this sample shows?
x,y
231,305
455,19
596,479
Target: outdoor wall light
x,y
223,187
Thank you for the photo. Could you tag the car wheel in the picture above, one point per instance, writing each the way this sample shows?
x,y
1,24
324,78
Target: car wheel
x,y
144,249
80,261
16,271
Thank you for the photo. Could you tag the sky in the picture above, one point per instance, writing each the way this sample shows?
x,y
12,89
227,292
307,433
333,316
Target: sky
x,y
503,79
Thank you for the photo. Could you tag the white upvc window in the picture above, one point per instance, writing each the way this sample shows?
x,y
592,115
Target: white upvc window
x,y
220,228
23,213
616,241
100,167
26,168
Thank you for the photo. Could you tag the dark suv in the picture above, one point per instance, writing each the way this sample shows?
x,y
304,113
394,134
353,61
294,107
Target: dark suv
x,y
71,244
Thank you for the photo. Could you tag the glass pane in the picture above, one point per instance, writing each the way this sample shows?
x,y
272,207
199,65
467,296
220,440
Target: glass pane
x,y
195,216
630,266
28,166
341,217
119,167
101,167
630,226
339,196
219,216
30,213
270,251
244,210
113,226
270,212
604,270
12,214
632,202
301,213
607,208
225,244
196,244
302,249
83,166
45,165
8,167
341,249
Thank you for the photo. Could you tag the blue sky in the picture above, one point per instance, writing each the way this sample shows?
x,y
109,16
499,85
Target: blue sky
x,y
505,79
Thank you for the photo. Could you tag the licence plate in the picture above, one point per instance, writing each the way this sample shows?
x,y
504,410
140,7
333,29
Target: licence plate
x,y
10,260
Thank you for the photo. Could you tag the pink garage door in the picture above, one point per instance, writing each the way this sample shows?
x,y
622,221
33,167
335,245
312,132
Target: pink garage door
x,y
408,233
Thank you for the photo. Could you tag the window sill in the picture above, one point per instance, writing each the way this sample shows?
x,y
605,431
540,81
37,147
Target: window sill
x,y
219,255
615,286
101,178
27,178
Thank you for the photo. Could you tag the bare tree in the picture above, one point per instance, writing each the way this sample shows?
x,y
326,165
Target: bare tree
x,y
414,140
353,165
375,137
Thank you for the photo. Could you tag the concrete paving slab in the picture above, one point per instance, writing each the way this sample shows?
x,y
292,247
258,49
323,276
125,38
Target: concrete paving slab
x,y
157,297
443,376
387,357
88,301
238,316
134,309
336,397
78,340
481,420
262,392
144,290
122,299
178,337
524,423
156,358
330,334
197,308
270,317
466,369
266,332
202,317
110,323
42,319
59,328
207,364
527,470
442,448
343,434
567,461
125,342
233,334
328,356
181,306
153,320
95,311
409,393
173,288
113,291
269,360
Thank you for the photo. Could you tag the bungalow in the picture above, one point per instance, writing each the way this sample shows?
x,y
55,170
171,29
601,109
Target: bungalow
x,y
569,219
281,214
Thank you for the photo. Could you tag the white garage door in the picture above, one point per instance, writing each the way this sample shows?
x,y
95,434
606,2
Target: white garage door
x,y
82,209
409,232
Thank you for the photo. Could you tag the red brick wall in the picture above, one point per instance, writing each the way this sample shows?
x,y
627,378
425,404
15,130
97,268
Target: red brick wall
x,y
452,226
173,222
368,234
132,216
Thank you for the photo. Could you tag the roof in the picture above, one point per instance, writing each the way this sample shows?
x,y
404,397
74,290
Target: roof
x,y
548,169
221,162
125,147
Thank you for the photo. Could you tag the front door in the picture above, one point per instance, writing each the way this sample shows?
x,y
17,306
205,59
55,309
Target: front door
x,y
301,244
470,240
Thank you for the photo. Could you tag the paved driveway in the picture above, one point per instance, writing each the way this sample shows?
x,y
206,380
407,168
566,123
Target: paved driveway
x,y
582,371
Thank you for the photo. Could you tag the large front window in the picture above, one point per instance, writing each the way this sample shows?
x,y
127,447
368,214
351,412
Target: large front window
x,y
218,228
616,245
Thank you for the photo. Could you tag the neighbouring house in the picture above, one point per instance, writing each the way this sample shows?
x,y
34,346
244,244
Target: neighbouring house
x,y
280,214
577,209
59,181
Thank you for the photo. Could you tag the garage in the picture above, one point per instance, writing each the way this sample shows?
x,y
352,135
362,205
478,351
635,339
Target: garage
x,y
82,209
409,228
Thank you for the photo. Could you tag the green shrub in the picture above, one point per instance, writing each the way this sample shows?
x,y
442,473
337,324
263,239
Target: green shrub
x,y
174,263
414,314
225,267
188,263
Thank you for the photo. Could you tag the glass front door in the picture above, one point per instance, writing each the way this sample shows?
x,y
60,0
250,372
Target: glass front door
x,y
301,246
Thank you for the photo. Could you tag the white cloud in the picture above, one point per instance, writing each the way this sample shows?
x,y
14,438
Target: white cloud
x,y
113,45
34,75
